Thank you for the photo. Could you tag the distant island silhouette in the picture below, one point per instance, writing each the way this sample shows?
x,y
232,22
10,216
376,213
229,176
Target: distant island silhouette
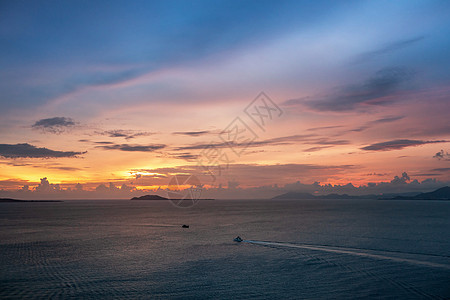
x,y
157,197
149,197
439,194
17,200
304,196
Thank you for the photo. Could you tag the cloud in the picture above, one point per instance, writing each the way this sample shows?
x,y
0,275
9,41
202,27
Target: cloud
x,y
373,91
399,184
324,127
441,155
388,48
47,166
386,120
14,163
250,174
401,180
133,148
104,143
127,134
367,125
360,128
376,174
441,170
427,174
376,122
29,151
62,168
54,125
66,168
98,143
314,149
284,140
262,187
397,145
233,184
325,141
193,133
46,187
186,156
14,182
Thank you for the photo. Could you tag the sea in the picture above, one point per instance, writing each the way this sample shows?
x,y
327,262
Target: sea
x,y
291,249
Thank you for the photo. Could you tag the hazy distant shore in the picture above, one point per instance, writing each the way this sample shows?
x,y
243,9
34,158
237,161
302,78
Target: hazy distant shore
x,y
156,197
439,194
3,200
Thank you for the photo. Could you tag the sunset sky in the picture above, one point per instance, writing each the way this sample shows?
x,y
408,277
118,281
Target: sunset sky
x,y
120,96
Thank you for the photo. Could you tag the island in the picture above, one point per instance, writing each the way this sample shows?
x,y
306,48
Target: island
x,y
157,197
439,194
149,197
3,200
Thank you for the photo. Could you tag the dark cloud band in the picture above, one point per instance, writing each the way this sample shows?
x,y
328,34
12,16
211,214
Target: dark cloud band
x,y
397,145
29,151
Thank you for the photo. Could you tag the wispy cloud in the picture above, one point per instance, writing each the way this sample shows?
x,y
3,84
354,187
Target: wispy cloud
x,y
60,168
324,128
29,151
97,143
326,141
15,182
133,148
397,45
370,124
441,170
373,91
268,142
54,125
307,139
104,143
387,120
364,126
193,133
15,163
186,156
315,149
127,134
397,145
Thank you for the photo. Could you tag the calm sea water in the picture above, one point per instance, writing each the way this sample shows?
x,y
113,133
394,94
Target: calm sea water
x,y
313,249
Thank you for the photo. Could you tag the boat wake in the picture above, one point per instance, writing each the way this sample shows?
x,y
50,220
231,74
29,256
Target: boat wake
x,y
375,254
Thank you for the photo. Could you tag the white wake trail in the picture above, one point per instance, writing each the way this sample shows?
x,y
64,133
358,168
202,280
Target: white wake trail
x,y
350,251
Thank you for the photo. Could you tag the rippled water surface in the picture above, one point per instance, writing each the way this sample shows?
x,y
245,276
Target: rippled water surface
x,y
292,249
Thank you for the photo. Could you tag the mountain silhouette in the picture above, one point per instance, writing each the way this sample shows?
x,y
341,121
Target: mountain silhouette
x,y
439,194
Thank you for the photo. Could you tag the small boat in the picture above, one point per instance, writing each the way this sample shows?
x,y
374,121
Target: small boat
x,y
237,239
185,226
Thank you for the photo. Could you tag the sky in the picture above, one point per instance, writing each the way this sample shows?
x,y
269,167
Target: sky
x,y
108,99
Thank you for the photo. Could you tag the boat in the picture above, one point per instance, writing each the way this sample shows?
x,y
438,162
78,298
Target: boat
x,y
185,226
237,239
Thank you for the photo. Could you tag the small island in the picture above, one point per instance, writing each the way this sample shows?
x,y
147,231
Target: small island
x,y
157,197
149,197
3,200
